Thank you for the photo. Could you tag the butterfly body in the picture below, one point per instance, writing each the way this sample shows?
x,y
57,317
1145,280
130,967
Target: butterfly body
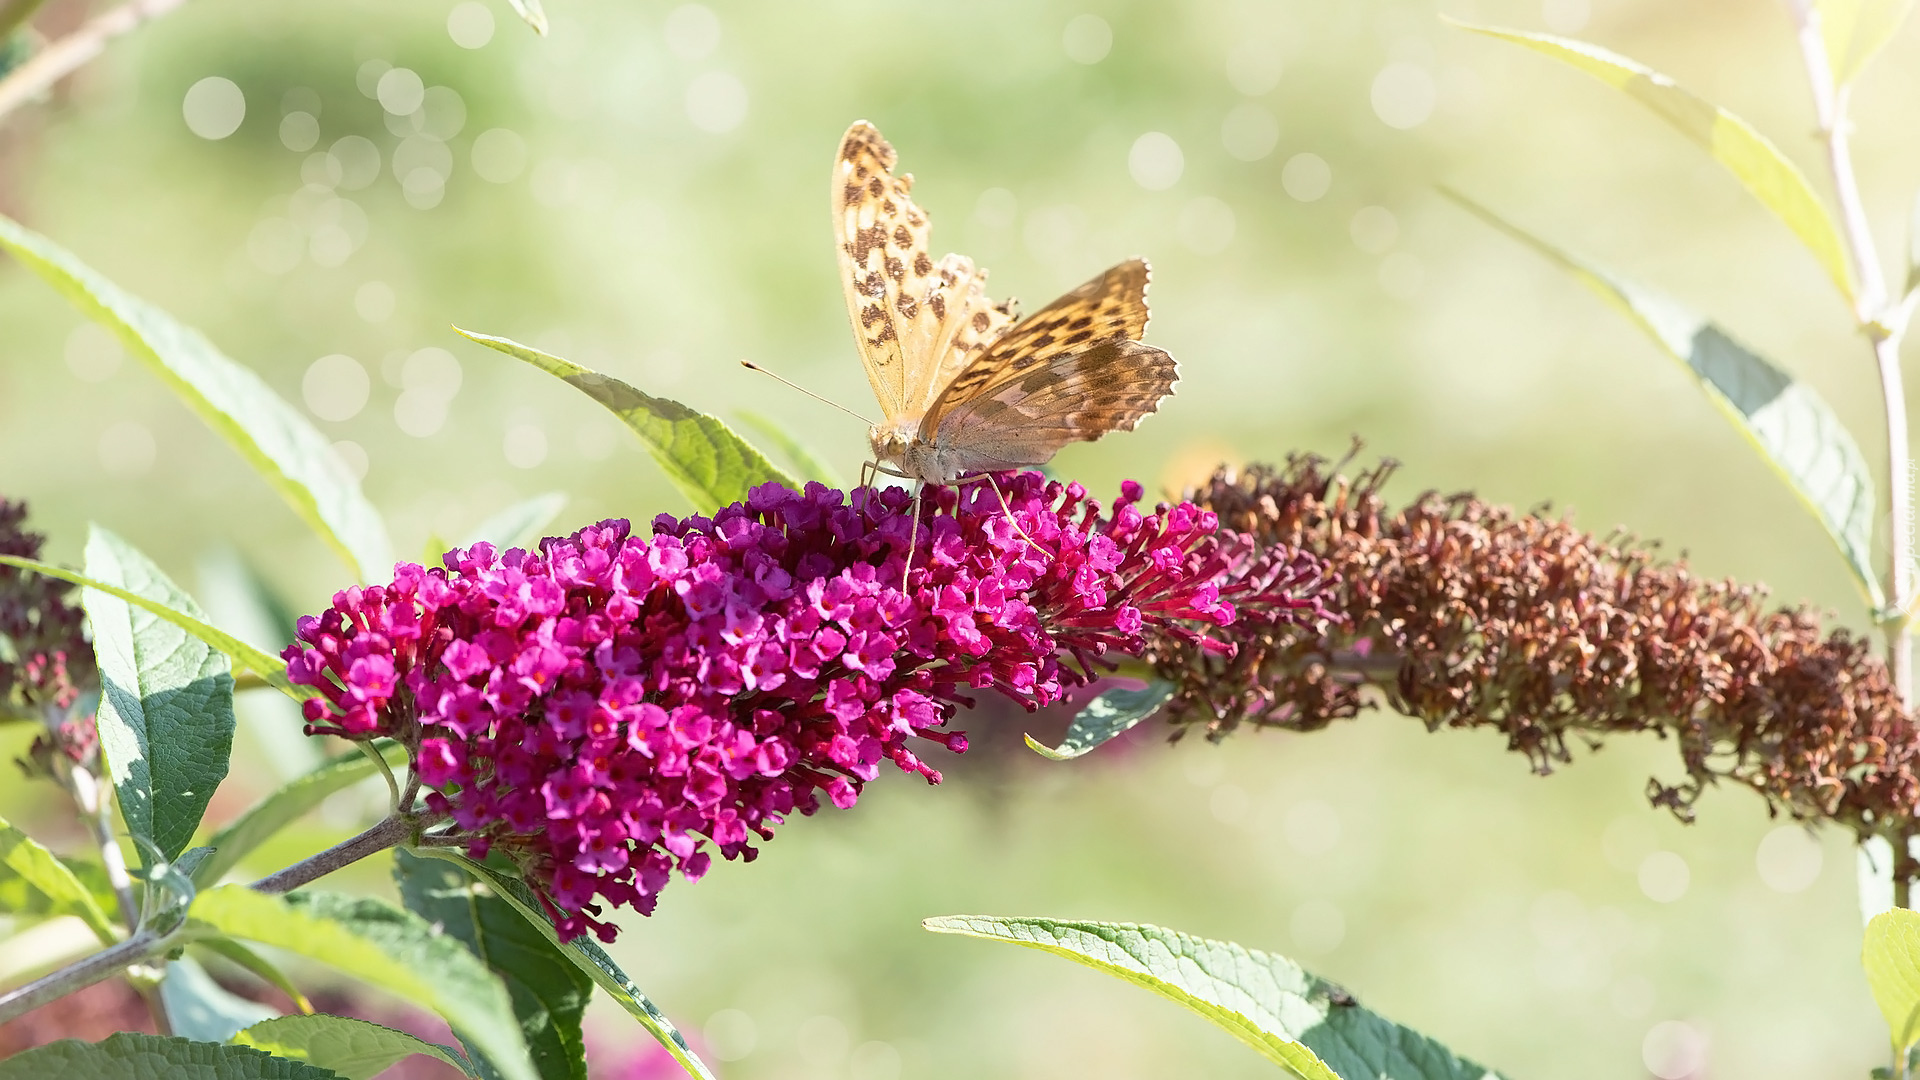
x,y
965,385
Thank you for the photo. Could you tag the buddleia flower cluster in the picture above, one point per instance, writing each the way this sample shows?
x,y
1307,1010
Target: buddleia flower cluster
x,y
1464,614
610,709
46,663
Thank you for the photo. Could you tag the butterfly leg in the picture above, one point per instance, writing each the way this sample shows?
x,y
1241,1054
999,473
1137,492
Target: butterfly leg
x,y
913,536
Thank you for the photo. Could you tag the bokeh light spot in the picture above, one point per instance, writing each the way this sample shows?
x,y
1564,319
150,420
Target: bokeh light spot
x,y
1306,177
1206,225
1788,859
470,24
1254,67
1673,1050
400,91
374,301
716,102
996,207
1664,877
1566,16
822,1040
1374,229
445,113
276,245
353,456
731,1034
875,1061
359,161
1404,95
1312,827
499,156
93,354
1317,927
214,107
692,31
127,449
335,387
1250,131
1087,39
1155,162
299,131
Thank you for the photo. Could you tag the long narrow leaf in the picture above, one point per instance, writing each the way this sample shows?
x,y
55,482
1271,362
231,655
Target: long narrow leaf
x,y
1755,162
1786,421
534,15
1856,30
588,957
519,525
710,464
244,656
1308,1026
353,1049
811,465
166,699
61,892
270,434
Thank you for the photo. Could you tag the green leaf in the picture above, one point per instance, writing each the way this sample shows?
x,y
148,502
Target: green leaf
x,y
1855,30
1786,421
245,958
166,699
245,656
811,465
292,455
549,993
534,15
168,889
58,890
383,946
584,954
1105,717
287,805
1756,163
131,1056
355,1049
701,456
1891,956
202,1010
1304,1024
1913,246
519,525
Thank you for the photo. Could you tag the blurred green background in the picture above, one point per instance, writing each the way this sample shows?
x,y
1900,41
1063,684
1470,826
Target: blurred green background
x,y
645,191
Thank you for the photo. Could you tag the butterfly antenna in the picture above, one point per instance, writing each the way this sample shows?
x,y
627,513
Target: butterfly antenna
x,y
751,366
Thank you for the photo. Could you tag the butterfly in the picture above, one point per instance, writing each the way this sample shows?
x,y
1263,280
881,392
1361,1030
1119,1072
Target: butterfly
x,y
964,384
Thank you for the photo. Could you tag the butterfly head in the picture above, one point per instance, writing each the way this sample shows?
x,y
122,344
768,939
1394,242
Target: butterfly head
x,y
890,439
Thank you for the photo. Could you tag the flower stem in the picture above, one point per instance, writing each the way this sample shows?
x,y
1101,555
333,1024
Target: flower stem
x,y
387,833
67,55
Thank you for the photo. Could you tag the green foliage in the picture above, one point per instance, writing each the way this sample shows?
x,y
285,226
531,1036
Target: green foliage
x,y
288,804
271,435
383,946
166,700
518,525
549,992
1855,30
701,456
1307,1025
130,1056
589,957
1891,956
1105,717
355,1049
1794,430
238,954
254,661
202,1010
811,465
1756,163
52,886
168,890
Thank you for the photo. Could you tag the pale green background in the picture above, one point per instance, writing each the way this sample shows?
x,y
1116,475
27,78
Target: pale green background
x,y
1480,903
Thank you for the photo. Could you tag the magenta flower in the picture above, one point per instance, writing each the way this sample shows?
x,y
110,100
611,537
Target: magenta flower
x,y
610,709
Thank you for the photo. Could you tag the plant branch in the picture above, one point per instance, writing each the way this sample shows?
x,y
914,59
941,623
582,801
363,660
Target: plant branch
x,y
67,55
14,14
99,967
387,833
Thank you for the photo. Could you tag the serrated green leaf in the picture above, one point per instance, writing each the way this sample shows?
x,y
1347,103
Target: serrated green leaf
x,y
273,437
1105,717
287,805
584,954
383,946
1755,162
1305,1024
1891,956
241,956
549,992
811,465
246,657
355,1049
1855,30
518,525
1794,430
202,1010
532,13
131,1056
58,889
703,458
166,700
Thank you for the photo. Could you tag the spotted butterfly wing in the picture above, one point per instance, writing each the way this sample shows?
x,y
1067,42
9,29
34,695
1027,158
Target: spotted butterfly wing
x,y
1072,372
918,320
